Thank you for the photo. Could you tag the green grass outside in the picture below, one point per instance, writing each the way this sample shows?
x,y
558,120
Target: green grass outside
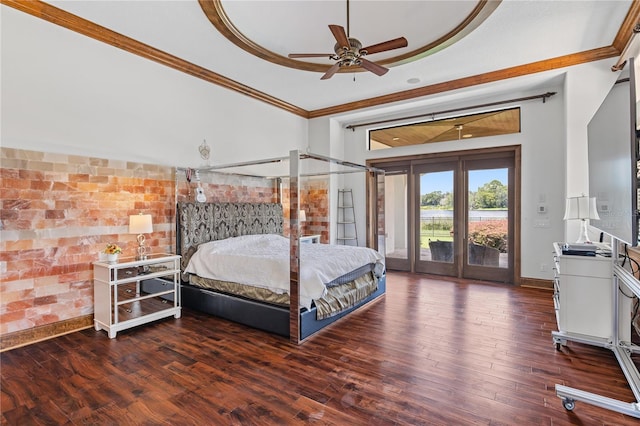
x,y
425,236
435,229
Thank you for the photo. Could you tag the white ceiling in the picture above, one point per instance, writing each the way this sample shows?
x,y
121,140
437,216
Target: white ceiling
x,y
516,33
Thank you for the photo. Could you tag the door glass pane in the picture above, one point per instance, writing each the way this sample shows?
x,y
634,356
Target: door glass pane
x,y
488,218
395,192
436,216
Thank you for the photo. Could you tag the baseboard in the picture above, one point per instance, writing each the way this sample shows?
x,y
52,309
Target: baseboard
x,y
536,283
44,332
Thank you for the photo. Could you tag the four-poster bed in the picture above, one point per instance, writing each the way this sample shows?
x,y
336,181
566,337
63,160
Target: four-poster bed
x,y
302,306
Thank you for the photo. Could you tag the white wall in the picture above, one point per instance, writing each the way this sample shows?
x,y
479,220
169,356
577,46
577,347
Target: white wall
x,y
542,142
66,93
552,132
63,92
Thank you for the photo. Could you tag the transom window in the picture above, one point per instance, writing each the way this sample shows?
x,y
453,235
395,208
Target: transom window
x,y
465,127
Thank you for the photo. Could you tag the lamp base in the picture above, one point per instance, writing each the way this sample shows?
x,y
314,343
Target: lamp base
x,y
142,252
584,235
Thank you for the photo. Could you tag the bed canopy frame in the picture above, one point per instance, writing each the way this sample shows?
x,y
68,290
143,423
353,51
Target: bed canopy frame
x,y
288,173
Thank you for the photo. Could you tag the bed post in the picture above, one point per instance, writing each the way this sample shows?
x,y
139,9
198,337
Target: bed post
x,y
294,256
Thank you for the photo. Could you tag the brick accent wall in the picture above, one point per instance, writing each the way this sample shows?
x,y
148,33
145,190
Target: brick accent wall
x,y
314,195
225,188
58,212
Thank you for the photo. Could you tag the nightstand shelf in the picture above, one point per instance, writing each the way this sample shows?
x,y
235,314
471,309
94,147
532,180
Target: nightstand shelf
x,y
122,301
313,239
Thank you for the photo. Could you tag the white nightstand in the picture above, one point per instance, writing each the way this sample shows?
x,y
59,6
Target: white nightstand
x,y
310,239
120,303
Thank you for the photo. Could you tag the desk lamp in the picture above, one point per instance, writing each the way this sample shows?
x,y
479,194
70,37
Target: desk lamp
x,y
582,208
140,224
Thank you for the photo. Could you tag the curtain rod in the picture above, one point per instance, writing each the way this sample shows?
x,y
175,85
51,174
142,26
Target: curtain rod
x,y
543,96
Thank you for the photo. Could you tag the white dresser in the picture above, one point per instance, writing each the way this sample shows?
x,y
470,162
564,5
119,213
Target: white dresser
x,y
586,291
583,299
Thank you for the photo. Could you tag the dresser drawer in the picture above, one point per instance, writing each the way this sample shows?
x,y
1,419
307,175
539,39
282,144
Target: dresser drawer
x,y
157,285
585,266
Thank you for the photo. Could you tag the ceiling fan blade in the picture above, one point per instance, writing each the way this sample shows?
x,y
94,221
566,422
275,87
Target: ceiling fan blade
x,y
340,35
310,55
396,43
373,67
334,69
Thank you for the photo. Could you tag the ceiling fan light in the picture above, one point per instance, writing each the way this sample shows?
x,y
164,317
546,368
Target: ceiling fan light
x,y
340,50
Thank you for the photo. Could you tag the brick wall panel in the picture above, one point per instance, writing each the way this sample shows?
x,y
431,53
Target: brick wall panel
x,y
58,211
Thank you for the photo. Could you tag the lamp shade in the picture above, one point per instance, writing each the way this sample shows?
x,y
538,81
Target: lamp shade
x,y
583,207
140,224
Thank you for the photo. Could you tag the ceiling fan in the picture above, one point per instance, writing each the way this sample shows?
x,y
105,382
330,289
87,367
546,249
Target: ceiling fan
x,y
350,53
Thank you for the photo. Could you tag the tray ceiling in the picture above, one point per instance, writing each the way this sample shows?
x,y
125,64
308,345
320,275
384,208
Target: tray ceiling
x,y
507,42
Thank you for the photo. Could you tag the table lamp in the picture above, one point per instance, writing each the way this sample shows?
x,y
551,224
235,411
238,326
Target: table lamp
x,y
140,224
583,208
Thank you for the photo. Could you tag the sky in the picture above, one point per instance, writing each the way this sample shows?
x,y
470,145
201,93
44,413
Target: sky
x,y
442,181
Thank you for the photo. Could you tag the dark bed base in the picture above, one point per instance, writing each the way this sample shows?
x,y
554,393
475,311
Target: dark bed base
x,y
270,318
198,223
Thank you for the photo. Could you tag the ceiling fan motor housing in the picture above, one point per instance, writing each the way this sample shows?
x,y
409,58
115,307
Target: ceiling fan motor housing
x,y
349,55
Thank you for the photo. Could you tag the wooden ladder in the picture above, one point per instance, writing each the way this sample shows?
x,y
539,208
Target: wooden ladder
x,y
347,230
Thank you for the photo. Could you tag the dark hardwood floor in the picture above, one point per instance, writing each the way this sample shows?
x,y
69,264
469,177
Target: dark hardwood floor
x,y
431,351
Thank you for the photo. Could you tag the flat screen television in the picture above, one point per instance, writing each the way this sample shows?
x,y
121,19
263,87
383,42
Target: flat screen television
x,y
613,160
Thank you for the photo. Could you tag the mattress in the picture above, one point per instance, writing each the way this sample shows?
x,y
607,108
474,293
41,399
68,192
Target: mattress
x,y
263,261
343,293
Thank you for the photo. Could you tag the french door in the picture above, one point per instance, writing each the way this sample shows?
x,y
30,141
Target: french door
x,y
397,238
453,215
488,222
436,209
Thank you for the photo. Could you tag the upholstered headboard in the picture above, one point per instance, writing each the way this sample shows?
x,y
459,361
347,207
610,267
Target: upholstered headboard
x,y
199,223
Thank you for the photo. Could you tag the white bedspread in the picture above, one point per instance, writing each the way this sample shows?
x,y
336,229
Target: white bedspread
x,y
263,261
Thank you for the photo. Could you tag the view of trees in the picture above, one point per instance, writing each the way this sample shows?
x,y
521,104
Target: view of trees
x,y
491,195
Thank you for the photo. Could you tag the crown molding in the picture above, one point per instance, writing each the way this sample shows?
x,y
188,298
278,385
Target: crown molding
x,y
90,29
214,11
474,80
